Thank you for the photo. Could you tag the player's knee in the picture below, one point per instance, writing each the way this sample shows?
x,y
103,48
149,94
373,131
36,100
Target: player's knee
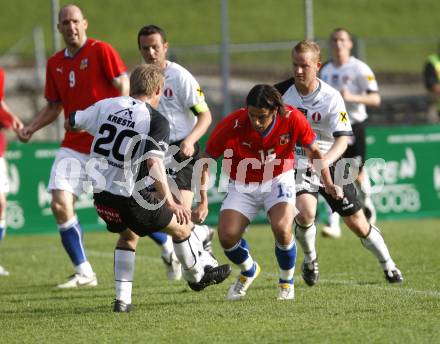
x,y
228,239
305,217
59,208
357,223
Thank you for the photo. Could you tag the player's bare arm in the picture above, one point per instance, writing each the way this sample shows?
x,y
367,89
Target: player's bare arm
x,y
200,212
46,116
158,173
369,99
204,119
122,83
320,164
16,123
336,150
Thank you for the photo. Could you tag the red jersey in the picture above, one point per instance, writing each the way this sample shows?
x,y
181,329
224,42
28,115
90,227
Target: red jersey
x,y
5,119
268,155
82,80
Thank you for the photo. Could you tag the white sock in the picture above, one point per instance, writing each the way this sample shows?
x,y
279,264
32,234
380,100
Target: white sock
x,y
167,248
84,269
306,236
187,252
374,242
202,232
124,272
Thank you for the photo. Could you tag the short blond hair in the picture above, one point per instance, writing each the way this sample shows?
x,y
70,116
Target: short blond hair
x,y
146,79
306,46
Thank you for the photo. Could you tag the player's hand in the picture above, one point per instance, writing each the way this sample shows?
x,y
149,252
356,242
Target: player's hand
x,y
24,134
16,124
199,213
183,215
186,149
335,191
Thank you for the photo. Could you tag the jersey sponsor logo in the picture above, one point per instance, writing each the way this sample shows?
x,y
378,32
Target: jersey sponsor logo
x,y
246,144
343,117
284,139
168,92
84,63
316,117
304,111
121,121
370,77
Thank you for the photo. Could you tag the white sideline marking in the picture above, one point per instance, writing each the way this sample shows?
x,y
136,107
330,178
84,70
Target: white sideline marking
x,y
397,288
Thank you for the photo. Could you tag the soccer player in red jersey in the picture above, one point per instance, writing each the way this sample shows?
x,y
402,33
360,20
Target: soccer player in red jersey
x,y
76,77
257,143
7,121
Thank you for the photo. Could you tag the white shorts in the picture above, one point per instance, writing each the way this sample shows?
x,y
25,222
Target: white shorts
x,y
68,172
4,179
248,200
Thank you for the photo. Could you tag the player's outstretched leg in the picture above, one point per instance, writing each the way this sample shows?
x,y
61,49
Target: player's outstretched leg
x,y
124,271
286,257
187,251
333,229
239,254
372,240
205,235
72,240
172,265
306,236
375,243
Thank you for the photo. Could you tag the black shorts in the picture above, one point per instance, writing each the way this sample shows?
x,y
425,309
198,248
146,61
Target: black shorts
x,y
183,176
349,204
120,213
357,148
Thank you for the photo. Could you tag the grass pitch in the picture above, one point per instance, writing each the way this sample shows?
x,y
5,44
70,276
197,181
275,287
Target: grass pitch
x,y
351,303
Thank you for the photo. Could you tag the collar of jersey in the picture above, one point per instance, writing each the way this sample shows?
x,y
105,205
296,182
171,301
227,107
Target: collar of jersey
x,y
269,130
68,56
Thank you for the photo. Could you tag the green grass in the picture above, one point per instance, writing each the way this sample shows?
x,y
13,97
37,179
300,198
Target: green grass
x,y
352,302
413,23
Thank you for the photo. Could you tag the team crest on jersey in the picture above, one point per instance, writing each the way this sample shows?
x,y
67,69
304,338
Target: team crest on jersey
x,y
335,79
168,92
343,117
84,64
284,139
316,117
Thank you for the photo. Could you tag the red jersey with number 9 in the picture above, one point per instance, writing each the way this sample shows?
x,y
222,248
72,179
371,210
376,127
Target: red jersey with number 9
x,y
257,157
80,81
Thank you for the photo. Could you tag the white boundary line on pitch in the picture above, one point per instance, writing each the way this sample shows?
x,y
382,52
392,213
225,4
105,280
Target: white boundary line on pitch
x,y
399,289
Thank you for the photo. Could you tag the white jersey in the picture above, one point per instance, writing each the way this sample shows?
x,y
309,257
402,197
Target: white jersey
x,y
181,93
354,76
126,131
324,109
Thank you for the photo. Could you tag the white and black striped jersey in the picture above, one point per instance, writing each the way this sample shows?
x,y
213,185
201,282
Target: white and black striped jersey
x,y
356,77
126,131
324,110
180,94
